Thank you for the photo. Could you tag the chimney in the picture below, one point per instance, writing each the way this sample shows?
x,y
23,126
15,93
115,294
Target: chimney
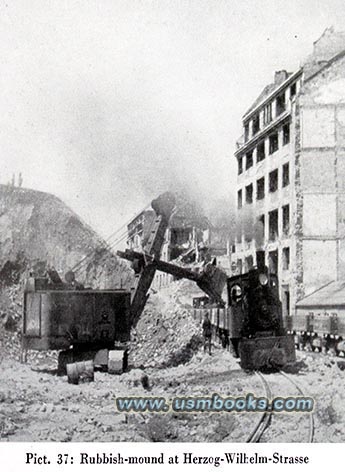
x,y
280,76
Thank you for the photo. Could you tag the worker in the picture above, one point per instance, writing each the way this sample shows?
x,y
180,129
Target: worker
x,y
224,339
207,333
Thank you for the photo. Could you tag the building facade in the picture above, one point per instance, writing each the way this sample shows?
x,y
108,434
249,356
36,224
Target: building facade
x,y
291,175
186,239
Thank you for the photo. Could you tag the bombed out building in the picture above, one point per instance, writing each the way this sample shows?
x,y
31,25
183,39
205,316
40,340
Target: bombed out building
x,y
189,239
291,175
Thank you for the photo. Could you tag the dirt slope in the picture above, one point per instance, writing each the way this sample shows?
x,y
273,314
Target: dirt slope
x,y
38,230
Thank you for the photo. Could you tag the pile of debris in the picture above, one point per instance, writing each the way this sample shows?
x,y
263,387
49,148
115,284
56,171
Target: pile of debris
x,y
10,320
166,334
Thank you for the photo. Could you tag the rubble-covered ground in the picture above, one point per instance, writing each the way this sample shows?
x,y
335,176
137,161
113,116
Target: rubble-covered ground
x,y
167,361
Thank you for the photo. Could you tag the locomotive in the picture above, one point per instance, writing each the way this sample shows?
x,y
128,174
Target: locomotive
x,y
252,323
312,328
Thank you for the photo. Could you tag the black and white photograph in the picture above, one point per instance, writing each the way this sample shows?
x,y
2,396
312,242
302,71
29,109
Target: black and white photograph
x,y
172,225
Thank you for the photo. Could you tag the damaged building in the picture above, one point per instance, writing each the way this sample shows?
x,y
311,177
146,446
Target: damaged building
x,y
291,175
189,239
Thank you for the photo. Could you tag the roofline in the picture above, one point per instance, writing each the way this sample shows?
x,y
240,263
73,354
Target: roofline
x,y
292,77
329,63
285,116
315,291
318,305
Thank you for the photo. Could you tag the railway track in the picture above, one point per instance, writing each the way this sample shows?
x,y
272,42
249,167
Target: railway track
x,y
263,423
266,418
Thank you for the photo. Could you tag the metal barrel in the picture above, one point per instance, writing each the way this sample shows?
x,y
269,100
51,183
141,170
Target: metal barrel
x,y
80,371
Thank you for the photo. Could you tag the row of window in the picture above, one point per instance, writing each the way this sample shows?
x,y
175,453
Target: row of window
x,y
274,230
273,184
269,227
260,261
273,224
273,146
267,115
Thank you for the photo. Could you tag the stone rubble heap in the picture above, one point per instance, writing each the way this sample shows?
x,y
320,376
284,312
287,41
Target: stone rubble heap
x,y
166,334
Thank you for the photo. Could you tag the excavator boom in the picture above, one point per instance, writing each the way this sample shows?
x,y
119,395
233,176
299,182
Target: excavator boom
x,y
163,207
210,279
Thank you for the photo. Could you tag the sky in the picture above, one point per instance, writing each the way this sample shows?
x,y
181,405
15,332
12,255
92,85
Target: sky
x,y
108,103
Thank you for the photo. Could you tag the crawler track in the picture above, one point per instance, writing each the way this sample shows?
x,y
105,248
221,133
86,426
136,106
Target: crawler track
x,y
265,419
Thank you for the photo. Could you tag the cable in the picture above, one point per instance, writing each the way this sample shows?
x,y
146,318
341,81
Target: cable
x,y
107,246
106,242
105,254
110,245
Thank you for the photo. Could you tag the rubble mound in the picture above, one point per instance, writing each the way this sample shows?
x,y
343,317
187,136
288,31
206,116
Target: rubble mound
x,y
38,230
166,334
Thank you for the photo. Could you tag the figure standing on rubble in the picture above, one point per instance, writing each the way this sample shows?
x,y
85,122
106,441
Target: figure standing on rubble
x,y
207,333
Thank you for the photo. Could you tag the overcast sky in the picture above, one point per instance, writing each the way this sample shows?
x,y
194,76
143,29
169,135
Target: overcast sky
x,y
106,103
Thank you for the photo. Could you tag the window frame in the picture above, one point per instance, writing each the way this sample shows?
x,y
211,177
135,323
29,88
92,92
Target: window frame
x,y
249,194
256,123
240,165
262,156
286,136
273,174
285,175
273,143
286,224
250,154
239,199
273,235
262,192
280,104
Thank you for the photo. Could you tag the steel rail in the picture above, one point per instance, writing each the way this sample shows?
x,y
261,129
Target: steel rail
x,y
265,418
311,415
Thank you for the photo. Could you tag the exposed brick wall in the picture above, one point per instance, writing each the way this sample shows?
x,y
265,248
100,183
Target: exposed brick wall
x,y
318,126
327,87
340,149
318,170
322,178
319,215
297,232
